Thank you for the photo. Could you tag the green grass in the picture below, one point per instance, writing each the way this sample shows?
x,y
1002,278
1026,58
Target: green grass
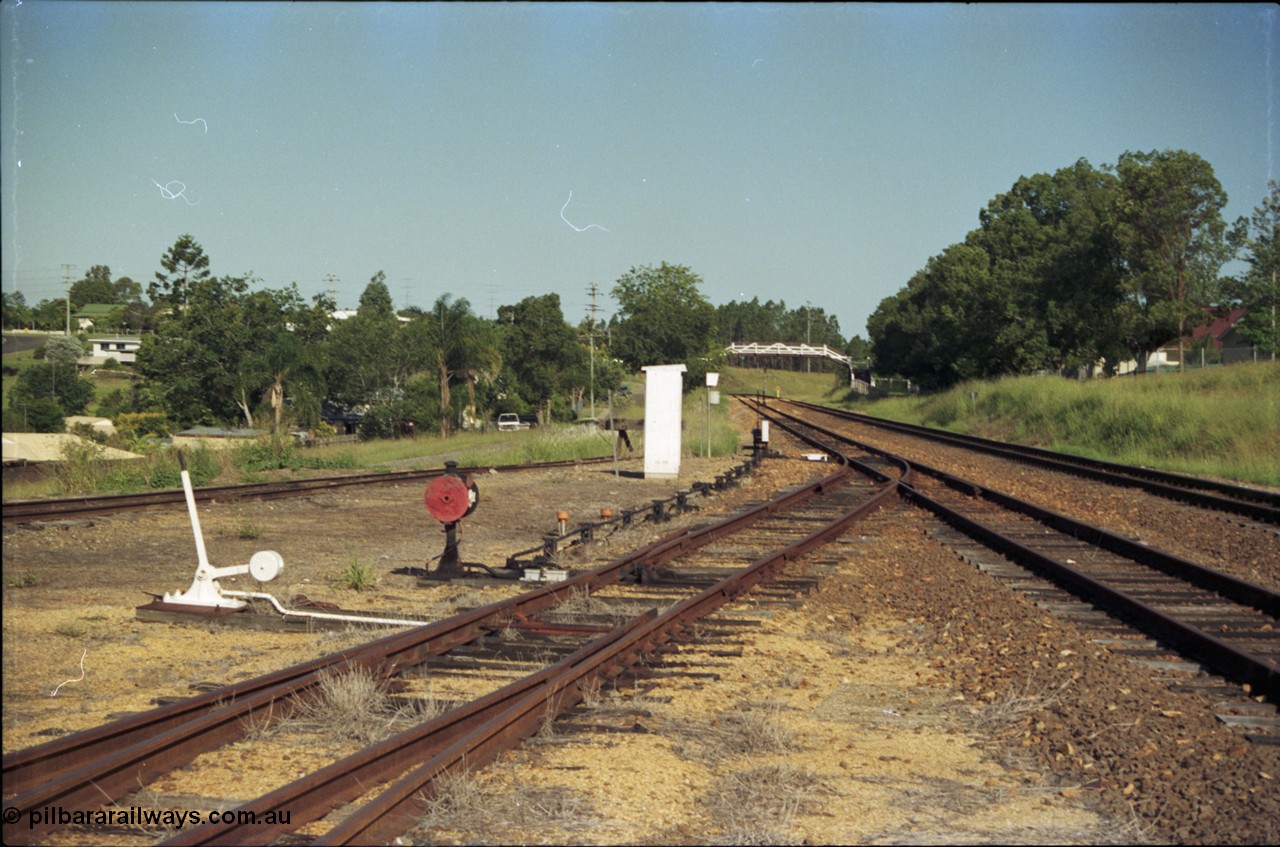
x,y
725,440
1217,421
815,387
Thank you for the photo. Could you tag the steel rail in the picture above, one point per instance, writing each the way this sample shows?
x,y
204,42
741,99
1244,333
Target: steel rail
x,y
386,816
315,795
1241,591
30,511
1254,503
108,761
1226,659
1262,675
506,717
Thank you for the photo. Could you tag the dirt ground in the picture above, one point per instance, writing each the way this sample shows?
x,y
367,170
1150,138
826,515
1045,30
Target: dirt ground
x,y
909,700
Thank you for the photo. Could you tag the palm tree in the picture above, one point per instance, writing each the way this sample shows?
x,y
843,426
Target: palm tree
x,y
457,345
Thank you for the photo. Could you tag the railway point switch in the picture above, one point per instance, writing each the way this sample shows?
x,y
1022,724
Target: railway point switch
x,y
264,566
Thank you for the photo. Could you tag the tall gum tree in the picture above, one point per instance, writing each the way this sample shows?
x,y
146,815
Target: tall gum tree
x,y
1172,238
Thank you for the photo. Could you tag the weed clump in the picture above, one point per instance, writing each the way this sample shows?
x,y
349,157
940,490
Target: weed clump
x,y
356,705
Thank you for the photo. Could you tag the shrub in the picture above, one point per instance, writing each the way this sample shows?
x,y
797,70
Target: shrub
x,y
39,414
268,453
131,425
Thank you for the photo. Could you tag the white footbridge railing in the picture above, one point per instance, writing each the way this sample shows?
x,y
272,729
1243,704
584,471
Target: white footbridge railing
x,y
778,348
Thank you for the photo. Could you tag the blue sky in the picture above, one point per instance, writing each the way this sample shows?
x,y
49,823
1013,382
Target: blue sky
x,y
805,153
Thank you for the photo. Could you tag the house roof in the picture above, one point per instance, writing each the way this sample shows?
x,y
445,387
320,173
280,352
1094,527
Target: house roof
x,y
95,310
49,446
1218,327
218,432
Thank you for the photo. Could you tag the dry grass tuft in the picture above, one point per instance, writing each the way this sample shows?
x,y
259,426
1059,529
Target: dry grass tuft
x,y
486,810
581,605
749,730
759,805
355,706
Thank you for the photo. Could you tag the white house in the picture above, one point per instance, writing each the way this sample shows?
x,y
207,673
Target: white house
x,y
123,350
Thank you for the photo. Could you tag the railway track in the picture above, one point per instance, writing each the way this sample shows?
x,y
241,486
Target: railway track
x,y
1226,624
75,508
694,572
1253,503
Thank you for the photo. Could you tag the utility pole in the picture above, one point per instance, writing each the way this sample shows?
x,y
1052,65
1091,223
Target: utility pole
x,y
330,280
807,327
591,343
66,272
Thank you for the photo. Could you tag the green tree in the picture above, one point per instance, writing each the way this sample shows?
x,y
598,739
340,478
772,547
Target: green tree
x,y
62,349
367,354
17,314
753,321
453,344
858,349
1169,227
94,287
50,315
542,352
192,362
185,264
284,357
1257,290
49,381
1051,251
949,324
38,414
125,290
664,319
233,350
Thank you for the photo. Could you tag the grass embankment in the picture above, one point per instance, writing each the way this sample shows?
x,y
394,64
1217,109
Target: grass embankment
x,y
1221,422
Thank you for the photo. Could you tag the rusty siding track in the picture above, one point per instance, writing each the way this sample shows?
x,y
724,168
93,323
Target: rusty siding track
x,y
476,734
1174,600
1253,503
72,508
107,763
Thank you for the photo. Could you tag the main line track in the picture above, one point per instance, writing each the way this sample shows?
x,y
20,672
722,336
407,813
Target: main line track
x,y
1228,625
1246,501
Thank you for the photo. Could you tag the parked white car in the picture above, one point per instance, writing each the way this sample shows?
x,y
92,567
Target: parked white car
x,y
508,421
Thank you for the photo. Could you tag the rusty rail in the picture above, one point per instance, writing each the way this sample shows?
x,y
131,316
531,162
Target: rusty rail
x,y
476,734
107,762
30,511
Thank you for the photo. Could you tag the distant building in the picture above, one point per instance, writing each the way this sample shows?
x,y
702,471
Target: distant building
x,y
123,349
1213,343
95,314
343,420
38,447
347,314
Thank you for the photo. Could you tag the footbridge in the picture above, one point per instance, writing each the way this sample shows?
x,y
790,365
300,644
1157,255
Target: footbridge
x,y
860,382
